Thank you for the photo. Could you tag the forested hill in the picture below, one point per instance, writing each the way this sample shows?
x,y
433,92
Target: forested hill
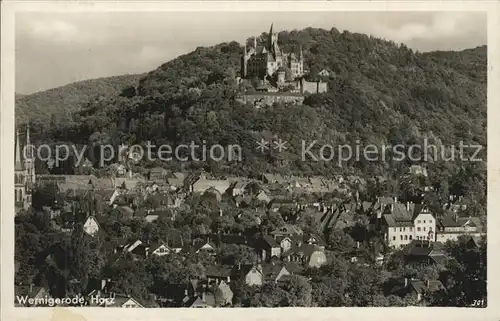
x,y
61,102
381,93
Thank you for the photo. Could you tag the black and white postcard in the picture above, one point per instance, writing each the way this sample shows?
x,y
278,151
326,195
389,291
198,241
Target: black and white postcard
x,y
164,156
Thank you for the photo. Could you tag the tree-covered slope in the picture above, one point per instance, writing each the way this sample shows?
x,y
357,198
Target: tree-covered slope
x,y
62,102
382,93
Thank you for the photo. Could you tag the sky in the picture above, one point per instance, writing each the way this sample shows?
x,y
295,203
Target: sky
x,y
54,49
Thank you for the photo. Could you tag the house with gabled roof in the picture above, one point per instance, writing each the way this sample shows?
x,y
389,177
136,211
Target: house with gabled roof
x,y
451,226
423,253
268,247
252,274
315,239
402,223
238,187
287,230
176,180
159,249
202,184
91,226
417,288
273,178
263,196
274,272
223,294
205,300
218,273
308,255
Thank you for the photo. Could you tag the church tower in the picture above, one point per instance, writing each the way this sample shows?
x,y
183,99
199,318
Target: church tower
x,y
29,161
24,173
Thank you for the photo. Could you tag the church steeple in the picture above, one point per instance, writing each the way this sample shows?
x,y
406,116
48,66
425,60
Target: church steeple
x,y
29,150
17,154
271,37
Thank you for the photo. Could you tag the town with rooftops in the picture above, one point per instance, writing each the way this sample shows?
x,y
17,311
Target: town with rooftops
x,y
136,236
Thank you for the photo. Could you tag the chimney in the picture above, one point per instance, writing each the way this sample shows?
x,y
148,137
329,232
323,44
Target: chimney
x,y
220,212
203,296
185,292
427,283
406,282
407,206
395,199
357,244
239,266
31,287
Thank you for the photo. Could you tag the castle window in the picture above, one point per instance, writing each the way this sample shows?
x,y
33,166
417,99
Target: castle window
x,y
16,197
20,195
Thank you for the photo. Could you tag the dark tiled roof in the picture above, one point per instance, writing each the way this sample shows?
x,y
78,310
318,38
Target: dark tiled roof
x,y
305,250
269,240
219,270
427,286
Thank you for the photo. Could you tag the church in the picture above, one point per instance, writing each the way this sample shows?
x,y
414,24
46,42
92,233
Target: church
x,y
24,172
270,61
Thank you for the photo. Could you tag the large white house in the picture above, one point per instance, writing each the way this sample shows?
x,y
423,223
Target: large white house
x,y
402,223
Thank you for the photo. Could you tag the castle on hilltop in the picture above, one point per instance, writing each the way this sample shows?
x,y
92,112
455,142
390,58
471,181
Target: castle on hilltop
x,y
24,172
269,60
279,74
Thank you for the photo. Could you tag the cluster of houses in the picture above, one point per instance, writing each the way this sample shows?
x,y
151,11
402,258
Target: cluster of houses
x,y
284,252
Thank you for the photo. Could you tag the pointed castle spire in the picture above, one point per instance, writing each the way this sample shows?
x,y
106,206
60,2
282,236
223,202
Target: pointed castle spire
x,y
255,43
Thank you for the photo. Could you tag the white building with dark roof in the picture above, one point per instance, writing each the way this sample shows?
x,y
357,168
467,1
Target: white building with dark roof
x,y
402,223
